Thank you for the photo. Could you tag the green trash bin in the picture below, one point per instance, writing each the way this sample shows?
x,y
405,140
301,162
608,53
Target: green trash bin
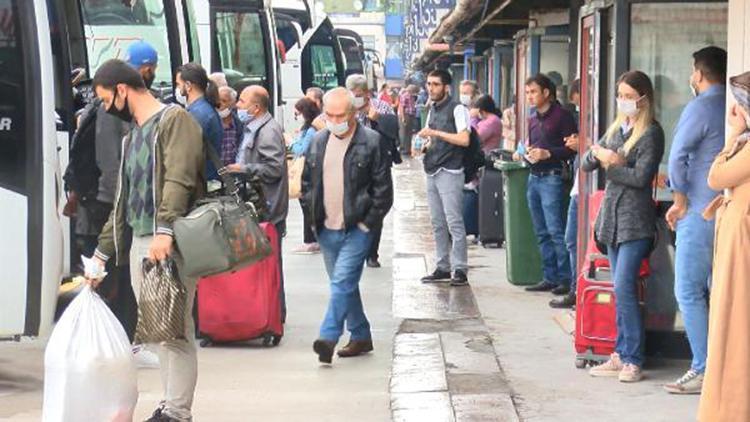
x,y
523,261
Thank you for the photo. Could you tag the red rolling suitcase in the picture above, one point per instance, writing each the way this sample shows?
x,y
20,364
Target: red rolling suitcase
x,y
596,327
243,305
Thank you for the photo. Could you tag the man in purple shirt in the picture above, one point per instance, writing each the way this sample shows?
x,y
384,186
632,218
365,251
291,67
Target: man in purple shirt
x,y
549,125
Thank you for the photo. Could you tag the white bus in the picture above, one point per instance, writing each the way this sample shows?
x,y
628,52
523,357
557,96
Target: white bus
x,y
41,42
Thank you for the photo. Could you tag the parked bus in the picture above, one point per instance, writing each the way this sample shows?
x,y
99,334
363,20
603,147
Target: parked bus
x,y
241,43
41,41
313,56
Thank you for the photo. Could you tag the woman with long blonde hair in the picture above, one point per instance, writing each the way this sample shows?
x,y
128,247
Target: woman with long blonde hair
x,y
630,152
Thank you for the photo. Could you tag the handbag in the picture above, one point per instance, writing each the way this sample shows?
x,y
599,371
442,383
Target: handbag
x,y
221,233
295,177
161,303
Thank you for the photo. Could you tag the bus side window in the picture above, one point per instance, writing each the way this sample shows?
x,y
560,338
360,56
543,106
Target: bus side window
x,y
12,101
241,51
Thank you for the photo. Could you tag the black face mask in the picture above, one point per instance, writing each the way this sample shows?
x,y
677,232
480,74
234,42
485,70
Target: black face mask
x,y
123,114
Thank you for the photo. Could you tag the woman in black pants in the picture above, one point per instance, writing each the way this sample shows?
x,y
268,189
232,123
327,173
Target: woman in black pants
x,y
308,110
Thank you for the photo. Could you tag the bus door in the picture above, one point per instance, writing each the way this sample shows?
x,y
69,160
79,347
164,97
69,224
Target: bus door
x,y
32,129
315,62
244,46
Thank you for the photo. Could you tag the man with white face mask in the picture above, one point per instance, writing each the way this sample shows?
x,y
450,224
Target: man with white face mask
x,y
347,185
230,123
469,93
368,109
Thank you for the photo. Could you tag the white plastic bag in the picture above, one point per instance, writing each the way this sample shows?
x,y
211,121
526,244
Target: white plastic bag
x,y
89,371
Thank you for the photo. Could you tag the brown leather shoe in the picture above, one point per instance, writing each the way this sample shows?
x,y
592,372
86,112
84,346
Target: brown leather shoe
x,y
355,348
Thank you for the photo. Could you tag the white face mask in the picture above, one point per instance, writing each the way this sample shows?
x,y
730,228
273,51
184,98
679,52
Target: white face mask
x,y
628,107
359,102
465,100
225,113
338,129
180,97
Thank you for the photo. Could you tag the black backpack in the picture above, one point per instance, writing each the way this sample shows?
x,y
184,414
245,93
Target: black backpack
x,y
474,158
82,174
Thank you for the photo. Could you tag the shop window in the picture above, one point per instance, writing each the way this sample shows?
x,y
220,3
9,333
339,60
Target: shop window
x,y
12,101
662,40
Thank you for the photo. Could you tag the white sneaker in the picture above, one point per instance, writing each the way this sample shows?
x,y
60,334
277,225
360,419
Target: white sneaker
x,y
690,383
610,368
630,373
144,358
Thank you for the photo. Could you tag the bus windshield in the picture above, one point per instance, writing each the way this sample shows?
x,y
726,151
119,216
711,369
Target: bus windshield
x,y
111,26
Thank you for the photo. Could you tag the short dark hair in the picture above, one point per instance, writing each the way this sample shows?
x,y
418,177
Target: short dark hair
x,y
485,103
544,82
114,72
575,88
308,109
445,77
712,62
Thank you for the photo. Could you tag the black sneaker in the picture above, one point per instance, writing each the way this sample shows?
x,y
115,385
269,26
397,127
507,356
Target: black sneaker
x,y
566,302
373,263
544,286
561,290
437,277
459,279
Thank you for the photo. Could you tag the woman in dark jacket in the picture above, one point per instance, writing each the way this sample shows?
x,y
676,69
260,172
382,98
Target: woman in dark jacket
x,y
630,152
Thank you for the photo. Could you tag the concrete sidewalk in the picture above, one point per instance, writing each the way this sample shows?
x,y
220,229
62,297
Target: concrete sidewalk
x,y
251,382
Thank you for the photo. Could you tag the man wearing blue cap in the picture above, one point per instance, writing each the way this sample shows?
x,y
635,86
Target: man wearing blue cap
x,y
143,58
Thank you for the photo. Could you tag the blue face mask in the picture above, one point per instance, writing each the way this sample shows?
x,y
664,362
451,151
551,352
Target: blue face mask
x,y
245,117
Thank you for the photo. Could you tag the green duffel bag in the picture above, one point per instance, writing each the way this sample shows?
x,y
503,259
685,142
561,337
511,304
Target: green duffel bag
x,y
220,235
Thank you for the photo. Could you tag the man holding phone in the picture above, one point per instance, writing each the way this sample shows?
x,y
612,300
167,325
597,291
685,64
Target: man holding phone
x,y
549,125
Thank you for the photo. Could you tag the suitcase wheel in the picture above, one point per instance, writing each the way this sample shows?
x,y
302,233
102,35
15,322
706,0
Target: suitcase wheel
x,y
276,340
267,339
581,363
205,342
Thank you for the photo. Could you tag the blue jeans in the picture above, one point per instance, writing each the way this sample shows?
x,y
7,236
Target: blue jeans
x,y
625,261
545,198
693,256
344,253
571,240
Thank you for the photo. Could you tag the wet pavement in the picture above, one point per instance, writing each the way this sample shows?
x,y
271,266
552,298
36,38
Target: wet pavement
x,y
444,365
484,352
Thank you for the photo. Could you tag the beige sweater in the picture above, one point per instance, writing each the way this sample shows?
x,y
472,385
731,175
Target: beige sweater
x,y
333,181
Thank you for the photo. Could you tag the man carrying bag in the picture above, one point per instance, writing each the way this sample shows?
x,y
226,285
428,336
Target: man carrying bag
x,y
161,176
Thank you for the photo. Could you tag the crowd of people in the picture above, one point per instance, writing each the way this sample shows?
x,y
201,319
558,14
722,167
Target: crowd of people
x,y
155,163
706,175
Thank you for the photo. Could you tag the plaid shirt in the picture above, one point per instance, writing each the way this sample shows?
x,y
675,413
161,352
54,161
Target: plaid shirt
x,y
408,103
380,106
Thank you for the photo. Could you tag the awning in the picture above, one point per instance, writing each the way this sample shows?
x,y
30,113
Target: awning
x,y
488,19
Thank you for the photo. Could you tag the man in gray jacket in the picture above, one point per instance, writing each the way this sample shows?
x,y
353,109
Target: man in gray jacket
x,y
262,153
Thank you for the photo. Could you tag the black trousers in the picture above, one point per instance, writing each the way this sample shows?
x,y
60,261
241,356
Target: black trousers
x,y
377,233
281,229
308,232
